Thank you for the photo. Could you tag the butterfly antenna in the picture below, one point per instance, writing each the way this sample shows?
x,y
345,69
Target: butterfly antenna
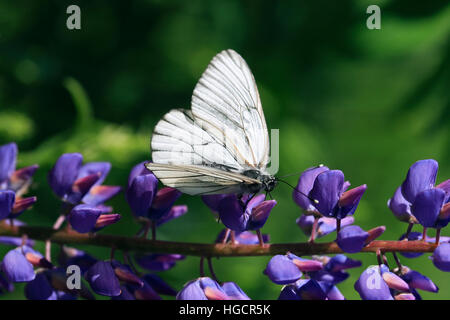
x,y
298,191
294,174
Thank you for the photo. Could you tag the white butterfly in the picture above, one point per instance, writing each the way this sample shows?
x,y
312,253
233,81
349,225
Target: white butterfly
x,y
221,145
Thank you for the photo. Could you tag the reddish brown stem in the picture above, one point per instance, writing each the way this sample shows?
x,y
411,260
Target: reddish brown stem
x,y
202,249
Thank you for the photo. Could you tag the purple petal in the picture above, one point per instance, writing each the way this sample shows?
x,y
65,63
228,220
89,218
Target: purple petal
x,y
212,201
260,214
305,185
400,206
233,291
83,217
89,168
392,280
7,198
8,155
427,205
335,294
141,193
327,190
441,257
202,289
64,173
421,176
191,291
138,170
159,285
351,239
305,265
81,187
444,216
341,262
146,293
349,201
281,270
103,280
163,201
371,285
417,280
22,204
105,220
175,212
21,178
40,289
445,185
158,262
328,225
311,290
99,194
16,267
232,214
124,295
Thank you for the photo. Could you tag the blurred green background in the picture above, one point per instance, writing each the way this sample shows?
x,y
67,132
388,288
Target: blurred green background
x,y
368,102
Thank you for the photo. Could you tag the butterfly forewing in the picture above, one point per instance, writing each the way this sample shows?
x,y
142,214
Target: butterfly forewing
x,y
207,150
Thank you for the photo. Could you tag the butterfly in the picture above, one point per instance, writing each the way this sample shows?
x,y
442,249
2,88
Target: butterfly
x,y
221,145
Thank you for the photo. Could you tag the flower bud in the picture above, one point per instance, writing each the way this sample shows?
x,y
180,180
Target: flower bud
x,y
351,239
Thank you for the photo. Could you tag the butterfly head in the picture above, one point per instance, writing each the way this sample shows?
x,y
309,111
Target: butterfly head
x,y
269,182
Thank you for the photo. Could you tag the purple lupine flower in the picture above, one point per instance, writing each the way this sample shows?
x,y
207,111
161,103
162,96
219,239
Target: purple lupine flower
x,y
234,292
416,280
253,217
74,183
86,218
163,202
102,279
8,155
145,200
352,239
174,212
327,193
306,289
13,183
202,288
18,264
16,267
159,285
392,280
11,206
157,262
333,277
125,274
324,226
146,292
418,200
125,294
441,257
285,269
213,200
371,285
245,237
40,289
341,262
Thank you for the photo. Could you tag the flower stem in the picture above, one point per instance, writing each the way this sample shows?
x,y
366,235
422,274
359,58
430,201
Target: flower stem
x,y
136,244
438,235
